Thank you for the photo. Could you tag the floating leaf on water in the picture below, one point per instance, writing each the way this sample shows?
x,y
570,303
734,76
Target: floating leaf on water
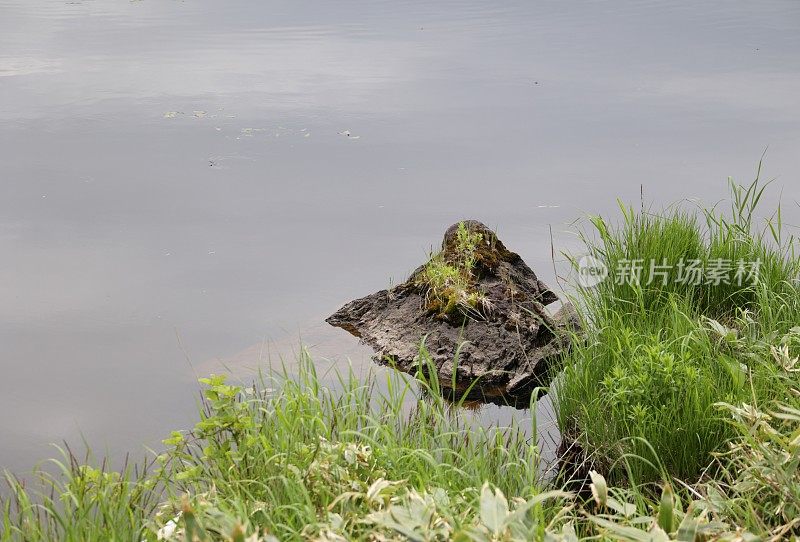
x,y
172,114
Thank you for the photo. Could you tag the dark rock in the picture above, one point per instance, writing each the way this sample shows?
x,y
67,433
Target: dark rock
x,y
507,341
574,464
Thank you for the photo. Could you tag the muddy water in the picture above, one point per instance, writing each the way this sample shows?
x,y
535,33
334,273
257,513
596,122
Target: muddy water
x,y
183,183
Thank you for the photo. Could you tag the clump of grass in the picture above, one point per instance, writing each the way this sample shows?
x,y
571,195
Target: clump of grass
x,y
79,501
717,262
285,459
758,485
293,459
449,277
661,351
290,457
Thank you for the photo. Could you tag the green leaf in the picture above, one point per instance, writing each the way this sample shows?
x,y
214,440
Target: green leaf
x,y
626,509
737,371
519,512
599,488
687,531
377,488
666,509
494,509
630,534
176,437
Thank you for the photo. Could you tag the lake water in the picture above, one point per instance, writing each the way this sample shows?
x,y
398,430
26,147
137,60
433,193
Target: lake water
x,y
191,184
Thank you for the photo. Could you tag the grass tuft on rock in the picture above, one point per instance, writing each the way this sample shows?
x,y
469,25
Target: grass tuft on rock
x,y
449,276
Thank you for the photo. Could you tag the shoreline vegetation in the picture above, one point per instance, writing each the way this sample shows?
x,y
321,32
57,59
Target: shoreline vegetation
x,y
679,408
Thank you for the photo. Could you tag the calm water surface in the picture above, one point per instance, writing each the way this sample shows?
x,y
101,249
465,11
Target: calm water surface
x,y
191,184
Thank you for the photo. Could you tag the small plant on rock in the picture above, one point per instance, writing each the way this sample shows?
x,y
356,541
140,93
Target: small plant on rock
x,y
449,277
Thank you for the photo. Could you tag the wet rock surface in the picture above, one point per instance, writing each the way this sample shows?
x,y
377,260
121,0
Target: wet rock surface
x,y
501,334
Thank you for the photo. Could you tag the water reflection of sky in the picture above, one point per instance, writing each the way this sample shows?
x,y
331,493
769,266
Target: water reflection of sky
x,y
249,214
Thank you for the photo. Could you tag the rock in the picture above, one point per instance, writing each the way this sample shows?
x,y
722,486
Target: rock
x,y
485,320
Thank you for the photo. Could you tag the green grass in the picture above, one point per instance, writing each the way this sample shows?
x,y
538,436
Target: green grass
x,y
293,459
78,501
449,279
267,448
660,353
278,458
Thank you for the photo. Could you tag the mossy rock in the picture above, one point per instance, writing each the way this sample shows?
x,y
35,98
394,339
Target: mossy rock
x,y
508,348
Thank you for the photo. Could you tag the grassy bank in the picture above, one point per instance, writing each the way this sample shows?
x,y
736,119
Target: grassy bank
x,y
290,457
662,351
296,460
684,399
